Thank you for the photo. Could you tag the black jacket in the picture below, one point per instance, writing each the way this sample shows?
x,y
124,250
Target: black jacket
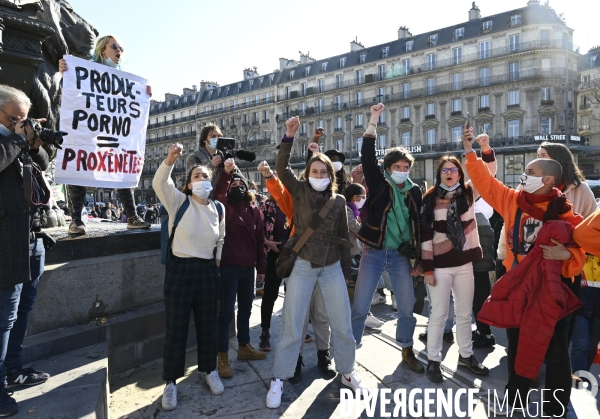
x,y
375,209
15,221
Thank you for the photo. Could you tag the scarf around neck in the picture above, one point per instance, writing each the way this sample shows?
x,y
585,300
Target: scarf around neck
x,y
454,227
557,204
355,210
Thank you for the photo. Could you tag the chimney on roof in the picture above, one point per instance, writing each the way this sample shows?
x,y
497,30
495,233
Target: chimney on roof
x,y
285,63
474,13
403,32
355,45
250,73
533,3
306,58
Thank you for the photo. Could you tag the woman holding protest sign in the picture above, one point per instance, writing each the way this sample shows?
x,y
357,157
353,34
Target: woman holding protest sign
x,y
192,274
108,51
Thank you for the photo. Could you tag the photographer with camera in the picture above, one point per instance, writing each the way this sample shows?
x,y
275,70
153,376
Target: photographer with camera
x,y
23,252
207,154
390,234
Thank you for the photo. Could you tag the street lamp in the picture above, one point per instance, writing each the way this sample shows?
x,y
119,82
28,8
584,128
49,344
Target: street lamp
x,y
349,120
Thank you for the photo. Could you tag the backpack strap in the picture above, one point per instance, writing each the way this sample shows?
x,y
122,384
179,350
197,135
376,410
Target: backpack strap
x,y
184,206
516,236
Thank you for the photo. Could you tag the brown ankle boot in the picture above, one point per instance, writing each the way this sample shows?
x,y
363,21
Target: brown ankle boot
x,y
248,352
408,356
223,366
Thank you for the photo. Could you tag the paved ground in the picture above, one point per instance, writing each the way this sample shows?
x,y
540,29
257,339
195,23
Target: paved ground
x,y
379,363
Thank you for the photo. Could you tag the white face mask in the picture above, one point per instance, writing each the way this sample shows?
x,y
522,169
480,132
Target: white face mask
x,y
360,203
253,191
337,165
111,63
202,189
530,183
399,177
320,184
212,143
449,188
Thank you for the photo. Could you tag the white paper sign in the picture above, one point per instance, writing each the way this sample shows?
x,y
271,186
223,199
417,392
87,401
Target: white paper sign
x,y
105,112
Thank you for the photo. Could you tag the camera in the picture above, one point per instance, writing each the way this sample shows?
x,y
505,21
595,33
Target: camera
x,y
408,250
225,149
48,136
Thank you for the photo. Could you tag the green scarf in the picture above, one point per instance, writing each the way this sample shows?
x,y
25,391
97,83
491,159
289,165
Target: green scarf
x,y
398,216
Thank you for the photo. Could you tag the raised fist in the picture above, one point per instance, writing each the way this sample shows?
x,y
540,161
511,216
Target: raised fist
x,y
484,141
314,147
229,165
263,167
319,132
377,110
292,125
175,150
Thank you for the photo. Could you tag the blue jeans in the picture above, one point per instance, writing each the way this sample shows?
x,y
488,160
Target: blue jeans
x,y
450,321
584,342
37,256
235,281
300,287
9,302
372,264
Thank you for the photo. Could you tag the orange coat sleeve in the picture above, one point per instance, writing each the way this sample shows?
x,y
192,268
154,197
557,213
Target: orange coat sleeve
x,y
587,232
283,198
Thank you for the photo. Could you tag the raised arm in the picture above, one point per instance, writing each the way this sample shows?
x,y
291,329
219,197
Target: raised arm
x,y
489,158
370,165
283,168
163,184
314,146
277,190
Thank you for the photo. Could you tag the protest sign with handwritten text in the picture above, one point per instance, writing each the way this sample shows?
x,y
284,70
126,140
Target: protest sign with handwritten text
x,y
105,112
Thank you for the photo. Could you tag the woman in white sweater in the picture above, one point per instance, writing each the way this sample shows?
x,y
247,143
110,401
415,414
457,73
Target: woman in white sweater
x,y
192,274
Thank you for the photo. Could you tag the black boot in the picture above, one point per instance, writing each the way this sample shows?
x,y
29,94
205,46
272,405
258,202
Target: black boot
x,y
324,364
298,373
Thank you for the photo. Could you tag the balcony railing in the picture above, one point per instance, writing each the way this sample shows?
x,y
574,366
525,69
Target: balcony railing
x,y
404,120
455,113
172,121
440,64
188,134
338,129
497,79
584,106
429,117
483,109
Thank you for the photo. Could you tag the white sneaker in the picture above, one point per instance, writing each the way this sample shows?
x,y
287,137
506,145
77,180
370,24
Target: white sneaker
x,y
353,381
274,394
214,382
169,398
378,299
373,322
394,305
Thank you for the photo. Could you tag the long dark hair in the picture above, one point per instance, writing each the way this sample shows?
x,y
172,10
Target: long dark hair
x,y
325,160
188,178
468,192
571,174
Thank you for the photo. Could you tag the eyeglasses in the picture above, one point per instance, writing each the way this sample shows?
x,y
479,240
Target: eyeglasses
x,y
117,47
13,121
450,170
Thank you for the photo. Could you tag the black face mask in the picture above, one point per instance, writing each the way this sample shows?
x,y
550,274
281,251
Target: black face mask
x,y
237,193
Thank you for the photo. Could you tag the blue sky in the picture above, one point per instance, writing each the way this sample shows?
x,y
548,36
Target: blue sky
x,y
178,43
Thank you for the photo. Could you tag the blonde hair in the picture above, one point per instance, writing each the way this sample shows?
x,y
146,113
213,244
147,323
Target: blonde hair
x,y
101,44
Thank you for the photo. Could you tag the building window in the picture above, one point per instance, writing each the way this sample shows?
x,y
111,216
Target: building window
x,y
515,19
247,101
514,166
405,112
513,71
513,97
235,103
307,71
324,66
405,90
362,57
338,123
384,52
381,119
257,99
484,76
338,102
409,45
484,102
430,133
342,62
320,84
381,71
544,37
292,72
545,93
484,50
406,139
359,120
546,126
303,148
431,86
267,97
405,66
485,128
513,43
430,109
359,98
359,76
339,81
457,55
432,40
381,94
382,141
319,104
456,105
431,61
459,33
456,134
487,25
340,145
546,63
456,81
303,89
303,128
514,128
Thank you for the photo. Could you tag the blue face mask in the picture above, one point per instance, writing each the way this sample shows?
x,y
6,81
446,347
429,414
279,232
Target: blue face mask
x,y
111,63
450,189
212,143
399,177
5,131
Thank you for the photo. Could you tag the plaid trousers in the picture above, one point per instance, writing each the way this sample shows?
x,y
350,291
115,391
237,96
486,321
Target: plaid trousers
x,y
191,284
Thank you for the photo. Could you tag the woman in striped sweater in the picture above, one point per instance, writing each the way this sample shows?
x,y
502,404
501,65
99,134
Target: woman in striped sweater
x,y
450,244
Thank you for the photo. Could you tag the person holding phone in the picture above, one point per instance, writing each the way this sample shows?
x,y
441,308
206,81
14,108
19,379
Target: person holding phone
x,y
209,136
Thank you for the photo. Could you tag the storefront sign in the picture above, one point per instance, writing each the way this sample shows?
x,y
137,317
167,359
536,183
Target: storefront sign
x,y
411,149
560,137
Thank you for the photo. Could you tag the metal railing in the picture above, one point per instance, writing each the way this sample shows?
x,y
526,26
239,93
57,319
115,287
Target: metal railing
x,y
172,121
187,134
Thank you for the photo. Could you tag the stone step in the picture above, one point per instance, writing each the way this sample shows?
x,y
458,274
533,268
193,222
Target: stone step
x,y
77,388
